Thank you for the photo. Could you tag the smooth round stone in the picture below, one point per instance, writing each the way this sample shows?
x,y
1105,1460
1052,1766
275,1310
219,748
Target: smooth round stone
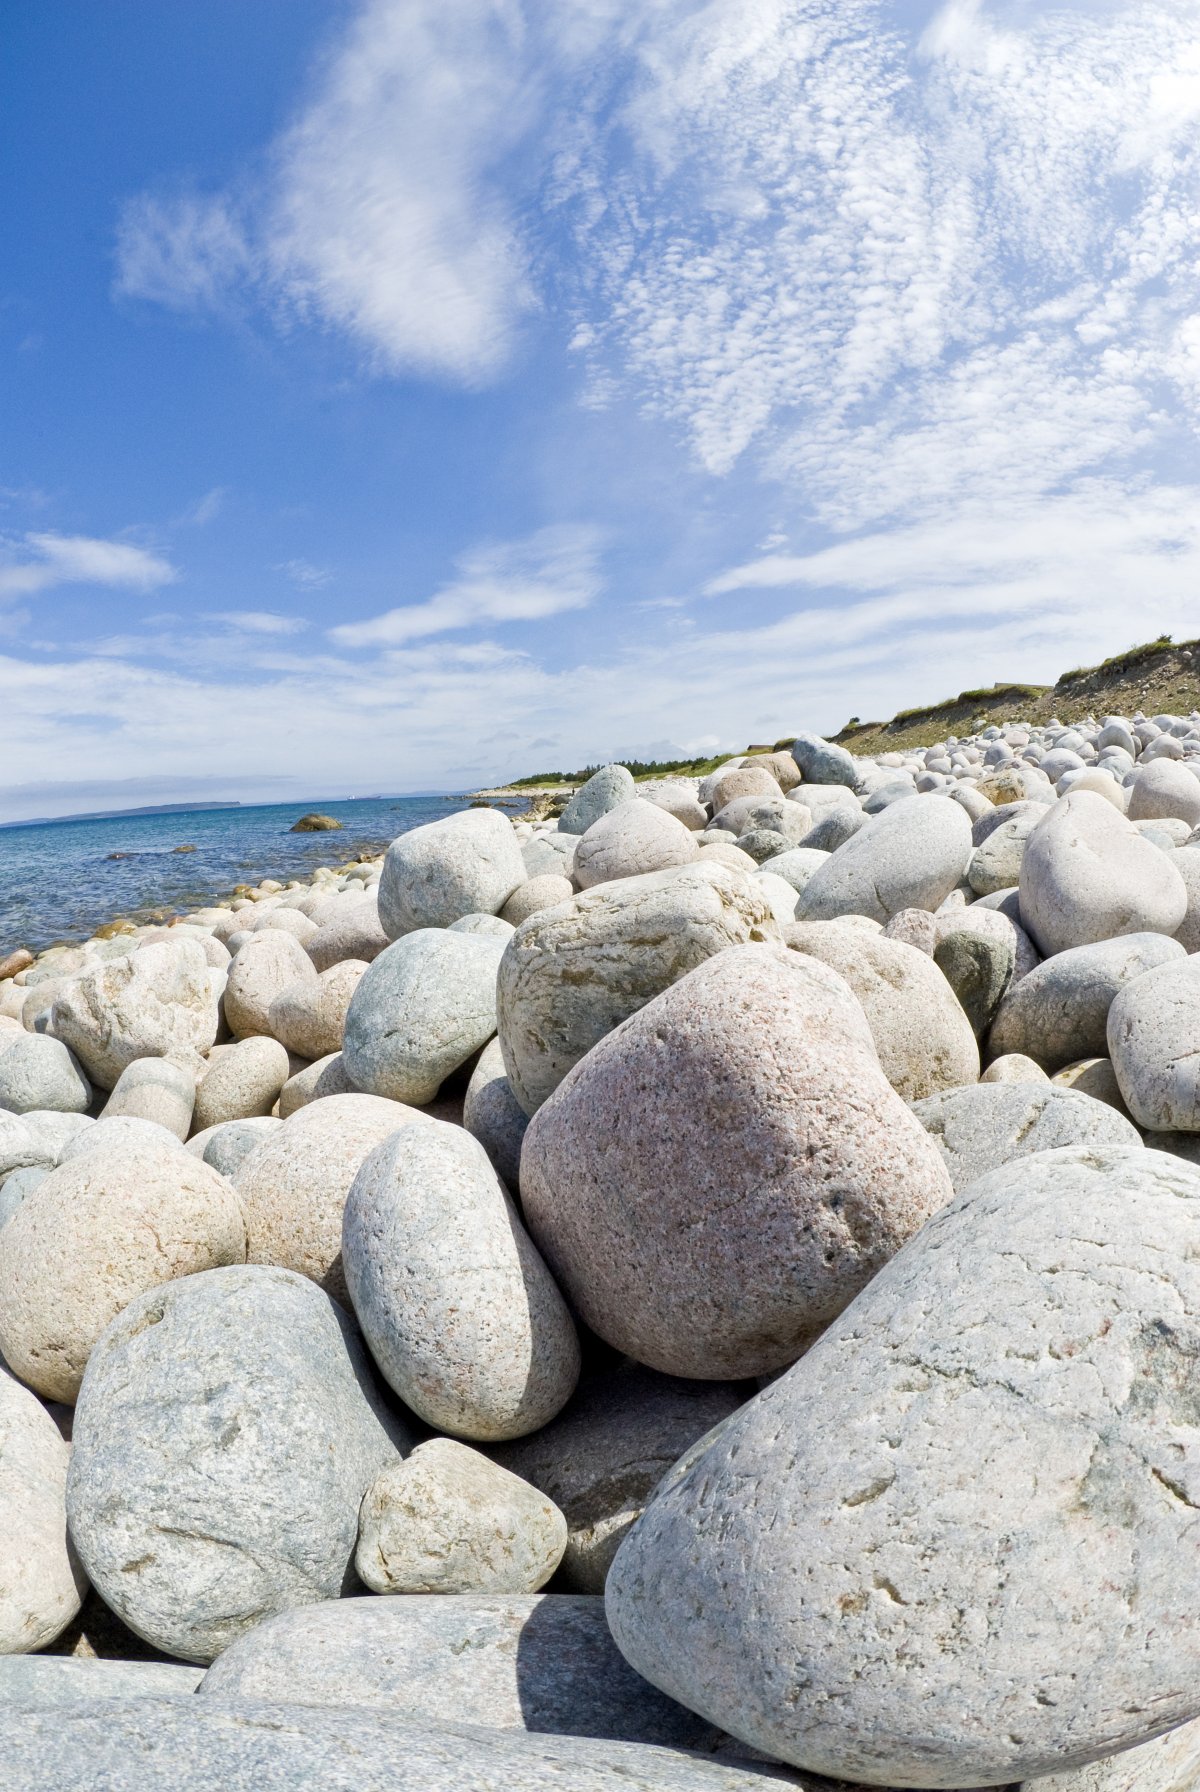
x,y
992,924
744,780
571,974
798,865
353,930
915,927
824,762
761,844
326,1076
1014,1067
17,1187
39,1073
447,1520
216,953
505,1661
243,1082
285,920
102,1230
1186,860
602,1457
923,1038
774,815
42,1585
1095,1077
536,894
225,1435
486,927
727,1264
724,852
1154,1044
309,1016
1164,788
119,1133
980,1128
1059,1012
604,790
978,970
1016,784
834,828
780,894
224,1148
39,1682
897,790
547,855
293,1185
967,1475
262,969
493,1115
782,767
996,861
157,1003
1088,876
196,1744
1099,782
469,863
457,1307
156,1089
678,800
421,1010
631,840
910,856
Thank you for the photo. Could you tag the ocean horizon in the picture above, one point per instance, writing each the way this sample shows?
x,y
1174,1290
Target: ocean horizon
x,y
62,879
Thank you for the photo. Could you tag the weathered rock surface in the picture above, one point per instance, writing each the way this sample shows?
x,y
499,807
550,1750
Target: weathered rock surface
x,y
41,1583
161,1090
422,1009
1154,1044
1059,1012
262,969
447,1520
152,1004
981,1128
1088,875
569,976
909,856
225,1434
493,1115
1026,1499
727,1264
457,1307
38,1074
604,790
631,840
468,864
243,1082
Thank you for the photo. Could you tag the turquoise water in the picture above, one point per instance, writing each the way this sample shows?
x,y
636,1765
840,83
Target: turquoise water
x,y
58,882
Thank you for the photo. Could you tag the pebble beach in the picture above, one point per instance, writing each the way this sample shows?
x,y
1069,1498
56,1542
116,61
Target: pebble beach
x,y
695,1287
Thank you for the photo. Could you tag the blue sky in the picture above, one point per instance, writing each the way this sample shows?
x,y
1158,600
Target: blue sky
x,y
402,394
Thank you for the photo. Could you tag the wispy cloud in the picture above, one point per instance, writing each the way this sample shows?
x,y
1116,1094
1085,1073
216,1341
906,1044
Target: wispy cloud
x,y
185,252
206,509
39,561
259,622
524,581
305,574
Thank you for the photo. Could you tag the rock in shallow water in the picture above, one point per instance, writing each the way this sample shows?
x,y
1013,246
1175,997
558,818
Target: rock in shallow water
x,y
727,1263
225,1434
989,1467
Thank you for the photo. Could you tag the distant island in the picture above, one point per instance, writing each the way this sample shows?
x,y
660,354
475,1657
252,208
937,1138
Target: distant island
x,y
44,821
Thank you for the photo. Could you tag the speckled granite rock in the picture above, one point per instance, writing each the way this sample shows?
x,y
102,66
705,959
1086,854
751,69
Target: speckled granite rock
x,y
152,1004
822,1172
631,840
910,856
422,1009
41,1583
1027,1498
979,1129
1088,875
262,969
493,1115
1154,1044
469,863
1059,1012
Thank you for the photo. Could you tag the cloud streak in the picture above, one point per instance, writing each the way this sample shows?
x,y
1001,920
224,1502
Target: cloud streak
x,y
43,560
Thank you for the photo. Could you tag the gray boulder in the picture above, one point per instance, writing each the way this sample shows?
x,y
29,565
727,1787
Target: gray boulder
x,y
978,970
39,1074
571,974
156,1089
1088,875
631,840
35,1682
996,861
1154,1044
493,1115
824,762
727,1263
469,863
543,1663
969,1475
225,1434
980,1128
156,1003
225,1148
456,1305
1059,1012
42,1584
422,1009
604,790
910,856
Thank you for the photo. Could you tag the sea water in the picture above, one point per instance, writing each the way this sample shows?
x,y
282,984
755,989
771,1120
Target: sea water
x,y
59,880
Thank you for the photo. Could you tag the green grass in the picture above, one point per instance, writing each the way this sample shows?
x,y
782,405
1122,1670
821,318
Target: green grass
x,y
640,768
1127,661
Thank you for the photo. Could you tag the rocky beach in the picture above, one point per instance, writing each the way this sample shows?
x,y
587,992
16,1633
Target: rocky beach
x,y
695,1290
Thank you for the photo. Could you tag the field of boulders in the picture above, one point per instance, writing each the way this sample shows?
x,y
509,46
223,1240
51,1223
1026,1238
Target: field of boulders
x,y
698,1294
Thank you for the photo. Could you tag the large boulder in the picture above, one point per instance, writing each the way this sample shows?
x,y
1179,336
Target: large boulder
x,y
243,1082
41,1583
1164,789
571,974
921,1033
1059,1012
309,1016
469,863
493,1115
1154,1044
631,840
727,1262
447,1520
1088,875
352,931
988,1469
980,1128
456,1305
157,1003
604,790
421,1010
160,1090
293,1184
35,1682
602,1457
509,1662
824,762
105,1227
225,1434
38,1074
910,856
266,965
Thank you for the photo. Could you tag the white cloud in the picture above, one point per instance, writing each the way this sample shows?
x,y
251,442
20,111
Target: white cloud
x,y
184,252
39,561
524,581
305,574
259,622
206,509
